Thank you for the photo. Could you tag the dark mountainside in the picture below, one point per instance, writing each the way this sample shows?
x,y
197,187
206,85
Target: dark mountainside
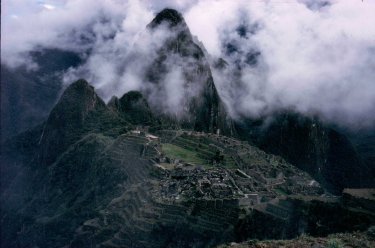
x,y
61,163
133,107
78,112
363,141
124,175
323,152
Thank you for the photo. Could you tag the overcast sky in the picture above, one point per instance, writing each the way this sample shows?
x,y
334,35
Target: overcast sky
x,y
316,57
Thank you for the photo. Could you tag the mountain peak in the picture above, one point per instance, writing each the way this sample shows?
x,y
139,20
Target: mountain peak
x,y
81,87
170,16
135,108
68,118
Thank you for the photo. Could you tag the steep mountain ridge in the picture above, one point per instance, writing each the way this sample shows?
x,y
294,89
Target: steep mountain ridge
x,y
200,105
78,112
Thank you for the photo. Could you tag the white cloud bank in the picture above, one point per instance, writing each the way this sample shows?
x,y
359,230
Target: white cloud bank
x,y
316,57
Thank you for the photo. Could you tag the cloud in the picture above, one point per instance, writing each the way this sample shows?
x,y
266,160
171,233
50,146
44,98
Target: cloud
x,y
74,25
315,57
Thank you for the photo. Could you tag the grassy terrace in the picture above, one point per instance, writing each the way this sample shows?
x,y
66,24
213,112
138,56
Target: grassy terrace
x,y
186,155
195,151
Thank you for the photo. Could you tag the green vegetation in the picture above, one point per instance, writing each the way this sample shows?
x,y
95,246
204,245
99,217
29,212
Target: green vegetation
x,y
334,243
371,232
197,151
202,150
281,191
186,155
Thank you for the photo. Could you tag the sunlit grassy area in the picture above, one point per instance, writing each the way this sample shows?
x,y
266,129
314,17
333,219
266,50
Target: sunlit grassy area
x,y
188,156
194,154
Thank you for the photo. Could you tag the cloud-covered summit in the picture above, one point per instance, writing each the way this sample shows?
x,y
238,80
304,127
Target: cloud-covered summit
x,y
315,57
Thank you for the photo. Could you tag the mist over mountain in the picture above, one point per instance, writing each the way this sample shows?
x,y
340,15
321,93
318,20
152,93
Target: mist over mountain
x,y
335,67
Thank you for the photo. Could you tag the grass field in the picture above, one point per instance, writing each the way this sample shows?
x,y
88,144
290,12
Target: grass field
x,y
280,191
194,154
188,156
